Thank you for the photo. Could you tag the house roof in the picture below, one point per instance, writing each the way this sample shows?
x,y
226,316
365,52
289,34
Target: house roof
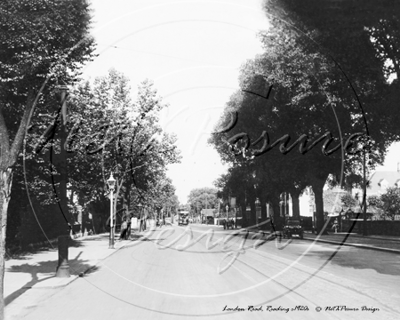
x,y
392,177
208,212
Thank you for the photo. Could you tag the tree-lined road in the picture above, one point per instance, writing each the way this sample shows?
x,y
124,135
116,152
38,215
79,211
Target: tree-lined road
x,y
170,274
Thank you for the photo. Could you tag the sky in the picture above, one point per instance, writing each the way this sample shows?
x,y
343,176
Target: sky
x,y
392,158
192,51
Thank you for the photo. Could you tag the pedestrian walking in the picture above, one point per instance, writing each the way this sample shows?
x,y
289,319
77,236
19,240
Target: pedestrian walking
x,y
124,229
108,222
128,229
335,225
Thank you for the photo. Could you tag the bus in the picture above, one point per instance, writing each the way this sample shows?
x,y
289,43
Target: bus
x,y
183,217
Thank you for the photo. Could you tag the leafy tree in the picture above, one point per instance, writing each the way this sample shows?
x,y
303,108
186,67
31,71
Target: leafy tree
x,y
388,203
171,205
236,183
161,196
112,133
203,198
348,201
308,85
367,58
297,106
38,49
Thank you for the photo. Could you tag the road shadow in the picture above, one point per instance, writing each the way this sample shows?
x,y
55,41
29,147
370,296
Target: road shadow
x,y
381,262
28,251
77,266
143,237
99,237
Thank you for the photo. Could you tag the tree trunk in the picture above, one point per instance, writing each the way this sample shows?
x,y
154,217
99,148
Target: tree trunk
x,y
253,220
276,224
5,196
8,157
244,214
295,204
263,214
240,198
319,206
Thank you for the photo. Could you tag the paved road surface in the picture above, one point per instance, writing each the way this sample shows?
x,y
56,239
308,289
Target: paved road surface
x,y
170,274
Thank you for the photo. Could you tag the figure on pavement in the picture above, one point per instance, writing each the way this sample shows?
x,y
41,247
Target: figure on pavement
x,y
129,226
124,229
335,225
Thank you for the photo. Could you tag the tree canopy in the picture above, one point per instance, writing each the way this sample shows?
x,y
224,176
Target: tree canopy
x,y
39,49
307,100
111,133
203,198
388,203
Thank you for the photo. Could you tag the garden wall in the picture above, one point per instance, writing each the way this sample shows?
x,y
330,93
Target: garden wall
x,y
375,227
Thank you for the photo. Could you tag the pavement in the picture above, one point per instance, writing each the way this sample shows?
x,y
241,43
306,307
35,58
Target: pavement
x,y
31,277
373,242
380,243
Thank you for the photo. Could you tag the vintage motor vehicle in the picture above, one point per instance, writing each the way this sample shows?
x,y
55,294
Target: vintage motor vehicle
x,y
183,218
293,227
209,220
228,223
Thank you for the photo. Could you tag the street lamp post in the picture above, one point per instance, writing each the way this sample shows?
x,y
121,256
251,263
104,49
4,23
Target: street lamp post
x,y
111,185
258,207
62,270
140,217
364,200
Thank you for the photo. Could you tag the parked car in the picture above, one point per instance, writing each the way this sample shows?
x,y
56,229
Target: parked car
x,y
210,220
293,227
229,223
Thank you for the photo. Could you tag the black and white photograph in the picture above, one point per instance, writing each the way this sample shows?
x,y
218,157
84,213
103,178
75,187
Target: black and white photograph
x,y
199,159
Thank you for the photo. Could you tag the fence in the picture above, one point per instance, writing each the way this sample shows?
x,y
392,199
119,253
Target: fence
x,y
306,223
374,227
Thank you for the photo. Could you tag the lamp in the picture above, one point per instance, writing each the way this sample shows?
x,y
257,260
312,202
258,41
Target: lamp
x,y
111,185
111,182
